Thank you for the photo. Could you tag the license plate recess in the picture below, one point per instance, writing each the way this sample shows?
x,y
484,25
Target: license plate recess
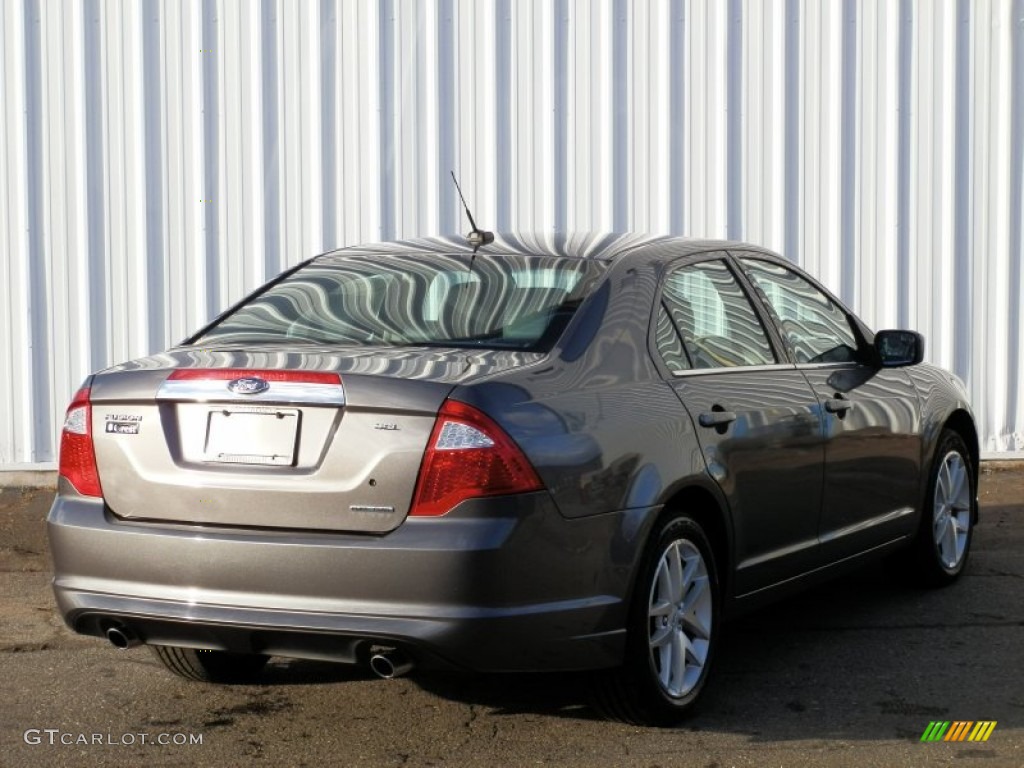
x,y
252,435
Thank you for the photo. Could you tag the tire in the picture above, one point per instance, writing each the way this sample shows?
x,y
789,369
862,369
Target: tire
x,y
210,666
672,632
940,550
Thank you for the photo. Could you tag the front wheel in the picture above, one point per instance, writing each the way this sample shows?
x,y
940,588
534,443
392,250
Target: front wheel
x,y
944,540
673,629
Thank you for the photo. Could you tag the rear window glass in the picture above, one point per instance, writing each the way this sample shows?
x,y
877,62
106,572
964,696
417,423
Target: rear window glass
x,y
515,302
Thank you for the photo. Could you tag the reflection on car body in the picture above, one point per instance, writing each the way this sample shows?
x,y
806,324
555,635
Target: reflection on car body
x,y
559,453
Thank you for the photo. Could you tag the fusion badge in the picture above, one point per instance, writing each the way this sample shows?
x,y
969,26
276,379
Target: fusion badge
x,y
122,423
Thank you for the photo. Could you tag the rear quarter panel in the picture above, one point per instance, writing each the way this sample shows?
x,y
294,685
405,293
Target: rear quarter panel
x,y
601,426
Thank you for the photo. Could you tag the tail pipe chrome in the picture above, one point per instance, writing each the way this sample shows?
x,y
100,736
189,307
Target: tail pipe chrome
x,y
390,663
122,637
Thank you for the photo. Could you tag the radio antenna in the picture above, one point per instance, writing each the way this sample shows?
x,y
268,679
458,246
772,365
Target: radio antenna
x,y
476,236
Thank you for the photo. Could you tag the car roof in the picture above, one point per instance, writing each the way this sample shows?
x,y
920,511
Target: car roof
x,y
599,246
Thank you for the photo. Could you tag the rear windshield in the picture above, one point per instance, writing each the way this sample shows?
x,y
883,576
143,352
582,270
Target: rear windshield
x,y
514,302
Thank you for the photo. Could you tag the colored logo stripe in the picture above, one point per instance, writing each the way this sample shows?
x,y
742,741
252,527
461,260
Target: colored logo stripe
x,y
982,730
958,730
935,730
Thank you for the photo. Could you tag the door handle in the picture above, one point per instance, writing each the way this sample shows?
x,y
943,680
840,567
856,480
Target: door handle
x,y
716,418
838,406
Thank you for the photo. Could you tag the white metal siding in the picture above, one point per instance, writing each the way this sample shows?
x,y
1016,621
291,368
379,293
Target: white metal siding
x,y
160,158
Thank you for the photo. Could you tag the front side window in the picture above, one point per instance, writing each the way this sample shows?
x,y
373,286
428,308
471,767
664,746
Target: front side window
x,y
715,319
498,302
816,327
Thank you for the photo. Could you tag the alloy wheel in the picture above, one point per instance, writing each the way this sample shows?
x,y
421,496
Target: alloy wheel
x,y
680,618
951,516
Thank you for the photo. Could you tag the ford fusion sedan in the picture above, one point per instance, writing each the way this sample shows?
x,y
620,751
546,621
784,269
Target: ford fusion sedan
x,y
536,453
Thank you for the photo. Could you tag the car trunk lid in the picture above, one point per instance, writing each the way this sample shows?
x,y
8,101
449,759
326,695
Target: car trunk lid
x,y
318,440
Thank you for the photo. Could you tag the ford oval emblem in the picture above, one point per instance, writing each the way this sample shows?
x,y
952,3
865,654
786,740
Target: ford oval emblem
x,y
248,386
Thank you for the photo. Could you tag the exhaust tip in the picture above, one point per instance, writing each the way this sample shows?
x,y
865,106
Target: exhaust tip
x,y
122,638
390,664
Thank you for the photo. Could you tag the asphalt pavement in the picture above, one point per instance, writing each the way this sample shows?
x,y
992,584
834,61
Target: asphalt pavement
x,y
849,674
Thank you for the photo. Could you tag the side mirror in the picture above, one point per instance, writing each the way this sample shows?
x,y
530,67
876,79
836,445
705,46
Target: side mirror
x,y
899,348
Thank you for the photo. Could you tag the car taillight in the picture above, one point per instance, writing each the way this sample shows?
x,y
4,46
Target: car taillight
x,y
77,457
469,456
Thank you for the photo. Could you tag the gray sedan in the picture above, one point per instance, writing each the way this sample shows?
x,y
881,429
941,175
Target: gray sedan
x,y
558,453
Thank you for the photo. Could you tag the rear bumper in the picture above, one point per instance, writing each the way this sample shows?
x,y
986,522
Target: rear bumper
x,y
497,585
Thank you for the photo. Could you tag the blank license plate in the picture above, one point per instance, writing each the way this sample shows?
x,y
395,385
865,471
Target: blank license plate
x,y
252,436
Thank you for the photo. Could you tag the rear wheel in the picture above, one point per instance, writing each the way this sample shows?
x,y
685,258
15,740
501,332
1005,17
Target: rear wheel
x,y
943,543
672,631
210,666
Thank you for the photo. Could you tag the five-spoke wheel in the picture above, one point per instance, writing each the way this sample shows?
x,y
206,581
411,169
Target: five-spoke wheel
x,y
944,539
673,627
951,516
680,618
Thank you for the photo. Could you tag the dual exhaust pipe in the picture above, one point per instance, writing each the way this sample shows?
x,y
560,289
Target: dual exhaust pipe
x,y
122,638
390,663
387,663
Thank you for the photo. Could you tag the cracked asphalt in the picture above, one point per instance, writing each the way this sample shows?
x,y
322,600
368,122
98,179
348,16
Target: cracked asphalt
x,y
849,674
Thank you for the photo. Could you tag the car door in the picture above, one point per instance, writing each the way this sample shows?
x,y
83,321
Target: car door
x,y
757,419
872,450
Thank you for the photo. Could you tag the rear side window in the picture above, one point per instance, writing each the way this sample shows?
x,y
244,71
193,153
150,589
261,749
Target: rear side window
x,y
514,302
714,318
669,344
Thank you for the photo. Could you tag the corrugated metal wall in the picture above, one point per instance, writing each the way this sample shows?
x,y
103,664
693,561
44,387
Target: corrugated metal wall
x,y
159,158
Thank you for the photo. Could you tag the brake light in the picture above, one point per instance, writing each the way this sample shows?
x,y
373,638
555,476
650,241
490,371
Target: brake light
x,y
77,457
469,456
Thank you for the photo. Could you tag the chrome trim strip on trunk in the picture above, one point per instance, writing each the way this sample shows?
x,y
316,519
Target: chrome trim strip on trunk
x,y
279,392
